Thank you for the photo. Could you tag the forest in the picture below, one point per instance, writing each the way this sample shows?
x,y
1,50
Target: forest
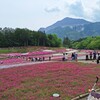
x,y
25,37
87,43
83,43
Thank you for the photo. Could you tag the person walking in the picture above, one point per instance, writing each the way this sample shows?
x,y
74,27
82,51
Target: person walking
x,y
94,55
73,56
98,58
90,55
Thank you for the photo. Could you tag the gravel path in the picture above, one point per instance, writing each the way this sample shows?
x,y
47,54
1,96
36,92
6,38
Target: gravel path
x,y
30,63
55,56
22,64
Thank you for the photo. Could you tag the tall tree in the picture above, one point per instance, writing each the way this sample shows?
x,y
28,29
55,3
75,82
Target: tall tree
x,y
66,42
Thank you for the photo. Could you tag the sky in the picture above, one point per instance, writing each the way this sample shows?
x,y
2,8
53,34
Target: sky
x,y
34,14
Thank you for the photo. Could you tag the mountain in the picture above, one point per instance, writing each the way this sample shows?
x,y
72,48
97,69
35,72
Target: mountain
x,y
73,28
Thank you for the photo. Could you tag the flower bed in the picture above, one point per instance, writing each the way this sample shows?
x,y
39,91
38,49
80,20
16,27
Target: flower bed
x,y
12,61
40,81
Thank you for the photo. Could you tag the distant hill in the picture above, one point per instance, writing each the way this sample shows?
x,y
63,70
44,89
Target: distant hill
x,y
73,28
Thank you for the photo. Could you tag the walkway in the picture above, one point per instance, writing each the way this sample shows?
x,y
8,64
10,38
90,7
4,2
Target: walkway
x,y
22,64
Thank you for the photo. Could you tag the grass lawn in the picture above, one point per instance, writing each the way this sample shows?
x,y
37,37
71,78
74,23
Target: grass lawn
x,y
27,49
40,81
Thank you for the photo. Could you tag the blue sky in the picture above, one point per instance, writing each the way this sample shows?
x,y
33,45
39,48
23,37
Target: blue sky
x,y
33,14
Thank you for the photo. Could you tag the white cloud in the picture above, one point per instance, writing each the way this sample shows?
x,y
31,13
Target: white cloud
x,y
90,9
34,14
56,9
76,9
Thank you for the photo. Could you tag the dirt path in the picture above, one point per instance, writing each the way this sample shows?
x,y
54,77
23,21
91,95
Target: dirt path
x,y
22,64
55,56
30,63
91,62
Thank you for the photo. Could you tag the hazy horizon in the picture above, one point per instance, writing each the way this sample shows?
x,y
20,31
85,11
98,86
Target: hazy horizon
x,y
33,14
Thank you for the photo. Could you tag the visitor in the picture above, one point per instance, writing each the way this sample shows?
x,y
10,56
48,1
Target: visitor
x,y
33,59
36,59
49,58
43,58
90,55
98,59
73,56
87,58
65,58
40,59
94,55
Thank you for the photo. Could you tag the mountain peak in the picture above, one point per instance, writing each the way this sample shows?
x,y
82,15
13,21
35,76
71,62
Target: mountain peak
x,y
72,21
67,21
73,28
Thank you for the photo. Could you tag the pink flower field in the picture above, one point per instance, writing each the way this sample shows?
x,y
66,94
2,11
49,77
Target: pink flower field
x,y
40,81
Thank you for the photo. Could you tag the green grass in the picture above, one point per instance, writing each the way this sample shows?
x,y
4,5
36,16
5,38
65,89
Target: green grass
x,y
12,50
24,49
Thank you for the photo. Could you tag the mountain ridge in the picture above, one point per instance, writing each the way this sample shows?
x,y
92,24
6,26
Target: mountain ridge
x,y
73,28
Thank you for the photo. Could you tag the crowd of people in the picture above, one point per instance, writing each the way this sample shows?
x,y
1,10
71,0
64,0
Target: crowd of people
x,y
34,59
73,56
93,56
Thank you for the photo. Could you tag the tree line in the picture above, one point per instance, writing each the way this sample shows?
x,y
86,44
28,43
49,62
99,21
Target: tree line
x,y
25,37
87,43
83,43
